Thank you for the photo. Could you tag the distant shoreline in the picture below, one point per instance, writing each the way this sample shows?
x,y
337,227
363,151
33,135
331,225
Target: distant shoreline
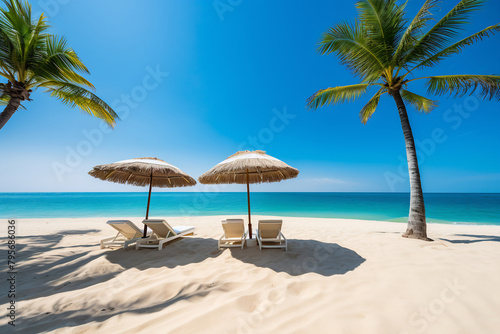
x,y
177,190
402,220
462,209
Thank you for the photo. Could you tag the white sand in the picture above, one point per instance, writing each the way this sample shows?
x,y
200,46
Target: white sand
x,y
338,276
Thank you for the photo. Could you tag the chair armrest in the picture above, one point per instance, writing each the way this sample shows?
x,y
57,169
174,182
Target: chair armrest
x,y
144,240
129,242
103,241
108,239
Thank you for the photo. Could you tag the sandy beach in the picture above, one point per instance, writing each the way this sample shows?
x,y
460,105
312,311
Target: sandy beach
x,y
338,276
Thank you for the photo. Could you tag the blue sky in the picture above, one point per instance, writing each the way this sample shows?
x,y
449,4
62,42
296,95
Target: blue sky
x,y
193,84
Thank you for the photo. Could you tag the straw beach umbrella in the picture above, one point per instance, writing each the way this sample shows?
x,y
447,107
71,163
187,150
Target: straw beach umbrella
x,y
143,172
247,167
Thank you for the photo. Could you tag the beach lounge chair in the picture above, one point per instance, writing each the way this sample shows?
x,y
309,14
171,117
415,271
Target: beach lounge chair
x,y
128,233
162,233
269,234
234,234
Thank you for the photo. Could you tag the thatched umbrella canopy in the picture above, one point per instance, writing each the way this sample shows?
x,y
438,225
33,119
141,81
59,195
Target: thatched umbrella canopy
x,y
142,172
249,167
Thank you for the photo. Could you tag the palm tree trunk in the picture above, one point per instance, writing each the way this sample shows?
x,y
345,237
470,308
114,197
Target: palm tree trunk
x,y
9,110
417,227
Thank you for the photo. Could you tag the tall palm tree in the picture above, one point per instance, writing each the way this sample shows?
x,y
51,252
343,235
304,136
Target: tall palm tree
x,y
385,51
30,58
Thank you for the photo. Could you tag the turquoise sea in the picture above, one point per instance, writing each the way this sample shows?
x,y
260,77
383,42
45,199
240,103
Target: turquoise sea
x,y
440,208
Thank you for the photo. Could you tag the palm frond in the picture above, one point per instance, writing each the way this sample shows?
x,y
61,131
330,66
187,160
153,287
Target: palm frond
x,y
334,95
4,99
36,43
60,63
384,22
59,52
350,43
419,102
443,31
459,85
409,37
13,28
459,46
75,96
367,111
22,8
5,61
32,58
20,38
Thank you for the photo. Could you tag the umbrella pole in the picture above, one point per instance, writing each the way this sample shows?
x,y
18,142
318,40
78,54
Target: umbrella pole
x,y
248,197
149,200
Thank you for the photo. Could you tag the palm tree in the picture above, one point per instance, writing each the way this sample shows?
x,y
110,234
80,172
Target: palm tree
x,y
385,50
30,58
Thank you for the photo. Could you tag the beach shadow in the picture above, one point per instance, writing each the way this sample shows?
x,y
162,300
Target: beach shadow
x,y
30,246
180,252
302,257
46,270
177,253
473,238
50,321
58,274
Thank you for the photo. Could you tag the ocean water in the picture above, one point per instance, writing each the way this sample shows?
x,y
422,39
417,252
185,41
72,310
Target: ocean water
x,y
440,208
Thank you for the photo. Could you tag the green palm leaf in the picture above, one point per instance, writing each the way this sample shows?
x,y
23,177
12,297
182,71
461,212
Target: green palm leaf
x,y
59,63
459,85
459,46
384,22
32,58
334,95
420,103
367,111
351,45
409,37
4,99
443,31
20,37
76,96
